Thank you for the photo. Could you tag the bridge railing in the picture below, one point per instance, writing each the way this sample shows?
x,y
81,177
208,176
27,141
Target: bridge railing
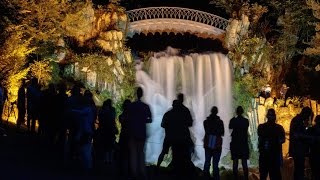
x,y
178,13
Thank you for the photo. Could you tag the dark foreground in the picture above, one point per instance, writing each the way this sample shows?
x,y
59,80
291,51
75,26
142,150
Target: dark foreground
x,y
29,157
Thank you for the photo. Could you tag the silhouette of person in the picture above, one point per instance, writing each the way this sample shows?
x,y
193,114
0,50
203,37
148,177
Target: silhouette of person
x,y
33,104
73,103
107,129
167,142
21,105
84,114
61,121
47,115
188,120
139,114
123,140
239,146
298,146
176,123
314,131
3,97
271,137
214,130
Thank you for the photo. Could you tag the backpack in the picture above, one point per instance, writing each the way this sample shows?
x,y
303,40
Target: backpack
x,y
212,142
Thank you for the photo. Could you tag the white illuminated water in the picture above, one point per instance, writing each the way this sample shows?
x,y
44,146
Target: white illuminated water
x,y
204,79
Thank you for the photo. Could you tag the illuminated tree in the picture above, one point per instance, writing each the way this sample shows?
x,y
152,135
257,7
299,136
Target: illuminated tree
x,y
13,54
41,19
42,71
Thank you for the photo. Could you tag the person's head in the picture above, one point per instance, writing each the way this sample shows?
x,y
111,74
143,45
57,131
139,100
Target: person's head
x,y
317,120
180,98
239,111
125,104
271,116
62,88
214,110
34,82
139,93
175,103
306,112
88,94
23,83
75,91
51,88
107,103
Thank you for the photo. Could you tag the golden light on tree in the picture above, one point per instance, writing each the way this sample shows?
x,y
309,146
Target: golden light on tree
x,y
42,71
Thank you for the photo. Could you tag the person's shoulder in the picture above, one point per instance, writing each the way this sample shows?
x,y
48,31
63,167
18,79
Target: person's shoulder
x,y
185,107
232,119
219,119
244,118
279,125
205,122
263,125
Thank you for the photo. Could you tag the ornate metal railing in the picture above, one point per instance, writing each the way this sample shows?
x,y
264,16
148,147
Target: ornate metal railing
x,y
178,13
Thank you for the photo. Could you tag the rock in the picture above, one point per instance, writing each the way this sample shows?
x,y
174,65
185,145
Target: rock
x,y
261,114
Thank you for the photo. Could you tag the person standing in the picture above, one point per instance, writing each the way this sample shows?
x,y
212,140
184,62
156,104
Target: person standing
x,y
239,145
123,140
176,123
21,106
139,115
60,124
298,144
86,115
315,149
186,114
3,97
214,130
271,137
33,104
107,130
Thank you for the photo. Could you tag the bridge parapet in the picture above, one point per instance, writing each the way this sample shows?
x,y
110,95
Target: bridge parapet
x,y
178,13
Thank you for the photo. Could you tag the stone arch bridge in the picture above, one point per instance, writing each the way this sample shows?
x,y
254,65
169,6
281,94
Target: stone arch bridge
x,y
176,20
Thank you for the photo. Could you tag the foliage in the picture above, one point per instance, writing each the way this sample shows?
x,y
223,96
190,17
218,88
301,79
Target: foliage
x,y
263,37
41,19
14,82
245,88
42,71
13,54
314,50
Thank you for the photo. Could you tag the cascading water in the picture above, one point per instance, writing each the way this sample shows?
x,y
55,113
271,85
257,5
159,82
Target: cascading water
x,y
204,79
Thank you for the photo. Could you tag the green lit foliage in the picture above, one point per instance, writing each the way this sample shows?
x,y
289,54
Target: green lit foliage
x,y
109,70
263,39
245,88
103,28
